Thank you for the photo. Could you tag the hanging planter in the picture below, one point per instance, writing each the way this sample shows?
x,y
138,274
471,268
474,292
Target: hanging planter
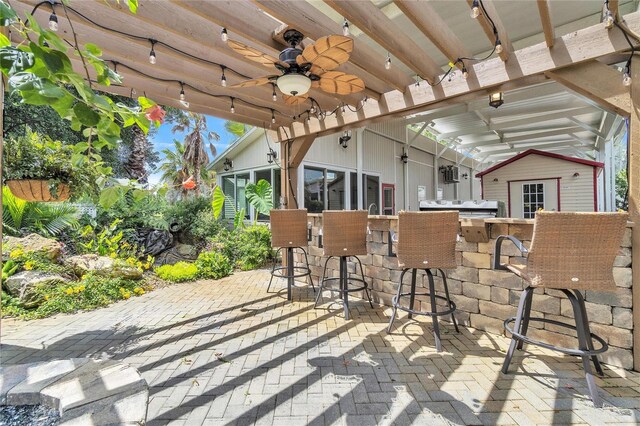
x,y
39,190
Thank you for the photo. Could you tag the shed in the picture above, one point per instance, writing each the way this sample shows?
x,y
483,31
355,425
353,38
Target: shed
x,y
535,180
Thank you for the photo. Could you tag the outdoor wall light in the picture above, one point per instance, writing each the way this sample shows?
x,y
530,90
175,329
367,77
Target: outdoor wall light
x,y
496,99
271,156
465,176
344,139
228,164
495,179
404,157
576,174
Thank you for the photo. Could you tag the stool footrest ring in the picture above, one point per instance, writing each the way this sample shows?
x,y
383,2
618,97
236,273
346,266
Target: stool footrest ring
x,y
305,271
452,305
349,290
569,351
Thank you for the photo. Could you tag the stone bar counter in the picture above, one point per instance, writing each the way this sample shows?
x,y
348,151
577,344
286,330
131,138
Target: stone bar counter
x,y
485,297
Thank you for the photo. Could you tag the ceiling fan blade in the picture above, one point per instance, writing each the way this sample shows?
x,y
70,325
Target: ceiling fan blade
x,y
327,53
254,54
340,83
254,82
295,100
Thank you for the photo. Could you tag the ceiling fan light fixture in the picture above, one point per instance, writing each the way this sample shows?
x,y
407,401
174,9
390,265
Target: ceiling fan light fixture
x,y
294,84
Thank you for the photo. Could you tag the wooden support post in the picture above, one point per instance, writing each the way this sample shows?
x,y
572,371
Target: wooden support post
x,y
634,205
292,153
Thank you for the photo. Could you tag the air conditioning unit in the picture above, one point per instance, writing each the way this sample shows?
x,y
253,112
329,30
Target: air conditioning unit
x,y
451,174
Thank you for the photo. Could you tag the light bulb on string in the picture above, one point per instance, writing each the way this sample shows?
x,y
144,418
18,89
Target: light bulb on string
x,y
224,35
498,46
626,76
387,63
53,21
475,9
312,110
273,117
608,19
465,73
182,98
223,79
345,28
152,53
274,95
233,108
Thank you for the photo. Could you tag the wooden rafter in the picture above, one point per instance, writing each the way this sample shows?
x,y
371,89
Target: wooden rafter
x,y
488,28
304,17
373,22
547,24
425,18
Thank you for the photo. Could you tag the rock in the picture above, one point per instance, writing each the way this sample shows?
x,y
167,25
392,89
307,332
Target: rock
x,y
25,285
102,265
30,243
155,241
179,253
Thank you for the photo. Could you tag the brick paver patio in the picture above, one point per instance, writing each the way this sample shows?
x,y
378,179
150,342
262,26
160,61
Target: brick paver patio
x,y
227,352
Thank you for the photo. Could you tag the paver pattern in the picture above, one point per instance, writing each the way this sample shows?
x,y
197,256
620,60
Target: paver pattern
x,y
227,352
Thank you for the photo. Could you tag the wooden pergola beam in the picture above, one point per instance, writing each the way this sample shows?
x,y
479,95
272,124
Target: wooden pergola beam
x,y
373,22
507,48
530,62
598,82
304,17
547,25
425,18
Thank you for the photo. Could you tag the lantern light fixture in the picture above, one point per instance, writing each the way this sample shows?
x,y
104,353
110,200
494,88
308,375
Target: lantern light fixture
x,y
228,164
496,99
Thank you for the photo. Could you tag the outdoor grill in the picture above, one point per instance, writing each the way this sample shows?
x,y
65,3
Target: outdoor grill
x,y
467,209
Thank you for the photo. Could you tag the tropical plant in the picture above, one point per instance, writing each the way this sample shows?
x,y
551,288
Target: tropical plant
x,y
260,196
213,265
21,217
217,203
33,156
135,164
107,242
235,128
175,170
622,190
180,272
195,155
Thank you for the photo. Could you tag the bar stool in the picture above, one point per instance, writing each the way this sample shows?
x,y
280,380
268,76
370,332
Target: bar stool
x,y
344,236
570,252
289,232
427,240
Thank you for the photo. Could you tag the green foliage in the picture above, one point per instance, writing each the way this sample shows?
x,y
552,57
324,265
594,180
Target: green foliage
x,y
135,209
33,156
180,272
622,190
213,265
248,248
205,225
9,268
183,214
235,128
260,196
35,261
92,292
107,242
21,217
217,203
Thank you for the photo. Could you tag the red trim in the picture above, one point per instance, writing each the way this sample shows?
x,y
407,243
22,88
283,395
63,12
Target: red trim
x,y
595,164
595,189
393,197
482,188
527,180
509,197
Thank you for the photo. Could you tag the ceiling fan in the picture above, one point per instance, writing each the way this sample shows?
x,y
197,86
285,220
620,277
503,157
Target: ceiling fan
x,y
303,69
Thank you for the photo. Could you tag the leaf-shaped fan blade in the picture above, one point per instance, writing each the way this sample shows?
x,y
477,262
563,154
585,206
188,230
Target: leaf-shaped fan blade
x,y
295,100
340,83
255,82
327,52
254,54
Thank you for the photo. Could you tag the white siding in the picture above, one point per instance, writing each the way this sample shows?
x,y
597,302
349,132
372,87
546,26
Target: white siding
x,y
327,151
576,193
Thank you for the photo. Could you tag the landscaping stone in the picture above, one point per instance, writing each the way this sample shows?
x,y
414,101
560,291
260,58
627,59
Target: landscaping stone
x,y
179,253
102,265
24,285
32,243
34,415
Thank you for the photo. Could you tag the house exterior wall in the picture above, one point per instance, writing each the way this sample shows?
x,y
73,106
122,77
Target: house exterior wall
x,y
576,193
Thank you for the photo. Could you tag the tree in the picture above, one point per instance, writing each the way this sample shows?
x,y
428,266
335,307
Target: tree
x,y
135,164
235,128
195,154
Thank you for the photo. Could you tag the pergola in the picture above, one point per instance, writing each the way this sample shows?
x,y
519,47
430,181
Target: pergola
x,y
555,65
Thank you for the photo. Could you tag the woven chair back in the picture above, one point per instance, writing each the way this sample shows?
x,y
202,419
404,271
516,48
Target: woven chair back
x,y
575,250
344,233
289,228
427,239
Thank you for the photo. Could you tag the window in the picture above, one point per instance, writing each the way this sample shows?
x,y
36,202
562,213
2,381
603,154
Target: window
x,y
335,190
371,185
263,175
241,198
388,202
532,199
314,190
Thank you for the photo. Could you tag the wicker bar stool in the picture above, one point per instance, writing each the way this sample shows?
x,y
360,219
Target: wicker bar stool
x,y
289,232
344,236
570,252
427,240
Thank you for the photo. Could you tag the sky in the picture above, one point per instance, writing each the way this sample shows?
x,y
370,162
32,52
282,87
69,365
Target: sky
x,y
163,139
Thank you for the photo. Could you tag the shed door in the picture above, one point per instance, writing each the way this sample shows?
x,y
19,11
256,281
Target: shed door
x,y
527,197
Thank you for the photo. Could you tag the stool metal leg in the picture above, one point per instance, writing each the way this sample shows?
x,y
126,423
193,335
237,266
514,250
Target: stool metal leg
x,y
366,289
344,285
587,330
412,297
524,297
446,293
290,273
583,340
273,269
434,310
396,301
525,320
321,286
306,259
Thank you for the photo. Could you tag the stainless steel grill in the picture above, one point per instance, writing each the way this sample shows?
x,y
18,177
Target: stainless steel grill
x,y
471,209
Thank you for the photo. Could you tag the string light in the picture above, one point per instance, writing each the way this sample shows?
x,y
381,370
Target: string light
x,y
273,117
607,18
498,46
223,79
475,9
53,20
233,108
465,73
224,35
152,54
312,110
133,91
626,76
345,28
182,98
387,64
274,95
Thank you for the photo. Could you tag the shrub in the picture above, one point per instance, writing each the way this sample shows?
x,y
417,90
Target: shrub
x,y
247,248
205,225
180,272
213,265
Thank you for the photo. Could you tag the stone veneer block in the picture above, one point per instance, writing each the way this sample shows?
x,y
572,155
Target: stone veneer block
x,y
502,279
476,260
522,231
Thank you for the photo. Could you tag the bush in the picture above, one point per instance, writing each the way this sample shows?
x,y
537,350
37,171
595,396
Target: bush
x,y
180,272
247,248
213,265
205,226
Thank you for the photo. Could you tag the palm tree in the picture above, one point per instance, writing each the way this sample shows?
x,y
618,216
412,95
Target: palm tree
x,y
195,154
173,167
135,165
